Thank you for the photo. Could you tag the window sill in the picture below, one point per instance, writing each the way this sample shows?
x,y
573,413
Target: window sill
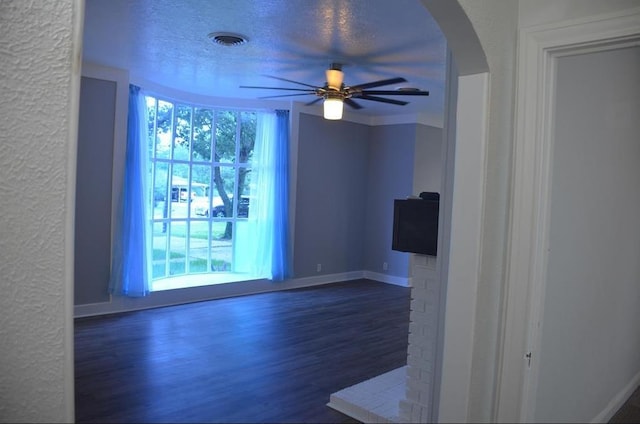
x,y
186,281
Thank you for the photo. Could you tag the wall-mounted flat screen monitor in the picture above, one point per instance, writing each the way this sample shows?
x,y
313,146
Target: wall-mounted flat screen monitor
x,y
415,225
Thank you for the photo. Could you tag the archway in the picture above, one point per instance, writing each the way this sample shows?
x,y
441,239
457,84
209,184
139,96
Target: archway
x,y
455,336
438,388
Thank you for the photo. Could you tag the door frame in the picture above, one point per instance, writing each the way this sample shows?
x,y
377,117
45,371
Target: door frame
x,y
538,51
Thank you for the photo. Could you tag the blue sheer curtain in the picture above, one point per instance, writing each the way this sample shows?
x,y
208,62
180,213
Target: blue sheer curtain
x,y
267,248
281,268
130,265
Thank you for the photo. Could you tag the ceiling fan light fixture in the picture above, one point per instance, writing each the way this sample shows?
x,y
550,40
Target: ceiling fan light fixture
x,y
333,107
335,76
335,93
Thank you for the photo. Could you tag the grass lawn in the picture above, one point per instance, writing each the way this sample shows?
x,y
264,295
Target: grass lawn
x,y
198,230
177,264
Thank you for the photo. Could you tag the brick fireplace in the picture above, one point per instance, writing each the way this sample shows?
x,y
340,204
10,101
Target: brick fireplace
x,y
404,395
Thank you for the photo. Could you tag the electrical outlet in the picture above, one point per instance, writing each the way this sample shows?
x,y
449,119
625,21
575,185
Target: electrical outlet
x,y
318,267
385,266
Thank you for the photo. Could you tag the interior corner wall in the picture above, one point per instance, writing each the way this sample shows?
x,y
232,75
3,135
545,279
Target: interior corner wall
x,y
330,196
427,165
100,161
94,191
348,175
389,176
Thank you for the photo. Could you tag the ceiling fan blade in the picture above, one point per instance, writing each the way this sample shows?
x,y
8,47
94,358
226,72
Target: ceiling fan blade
x,y
287,95
396,92
312,102
276,88
383,100
378,83
294,82
352,104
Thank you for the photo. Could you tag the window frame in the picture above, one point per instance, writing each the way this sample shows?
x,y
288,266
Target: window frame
x,y
161,282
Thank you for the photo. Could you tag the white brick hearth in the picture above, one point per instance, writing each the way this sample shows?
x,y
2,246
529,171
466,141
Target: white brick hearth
x,y
425,301
373,401
405,394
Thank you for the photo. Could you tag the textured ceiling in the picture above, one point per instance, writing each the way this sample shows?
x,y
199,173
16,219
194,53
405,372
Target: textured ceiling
x,y
165,42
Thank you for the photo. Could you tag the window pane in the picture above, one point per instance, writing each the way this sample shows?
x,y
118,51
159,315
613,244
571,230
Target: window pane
x,y
247,136
198,250
164,129
224,187
202,126
177,248
151,124
159,254
161,195
221,247
182,137
226,129
200,180
243,240
244,188
180,192
200,185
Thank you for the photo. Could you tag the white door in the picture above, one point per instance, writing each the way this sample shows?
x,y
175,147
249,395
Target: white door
x,y
589,347
571,352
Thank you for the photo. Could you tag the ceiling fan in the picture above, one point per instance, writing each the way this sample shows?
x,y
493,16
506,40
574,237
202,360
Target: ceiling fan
x,y
335,93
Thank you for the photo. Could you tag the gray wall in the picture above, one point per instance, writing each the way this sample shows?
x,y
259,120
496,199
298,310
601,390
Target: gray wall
x,y
389,176
428,160
590,348
331,196
93,190
348,175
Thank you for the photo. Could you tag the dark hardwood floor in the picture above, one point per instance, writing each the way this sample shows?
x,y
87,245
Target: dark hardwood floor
x,y
630,411
273,357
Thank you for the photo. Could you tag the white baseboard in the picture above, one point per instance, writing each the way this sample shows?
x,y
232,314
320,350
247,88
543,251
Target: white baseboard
x,y
618,400
158,299
389,279
327,278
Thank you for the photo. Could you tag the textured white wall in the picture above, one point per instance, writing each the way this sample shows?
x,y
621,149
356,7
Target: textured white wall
x,y
495,22
36,58
37,120
474,29
542,12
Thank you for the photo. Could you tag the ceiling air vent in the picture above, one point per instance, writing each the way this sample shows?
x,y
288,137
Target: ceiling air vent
x,y
227,38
